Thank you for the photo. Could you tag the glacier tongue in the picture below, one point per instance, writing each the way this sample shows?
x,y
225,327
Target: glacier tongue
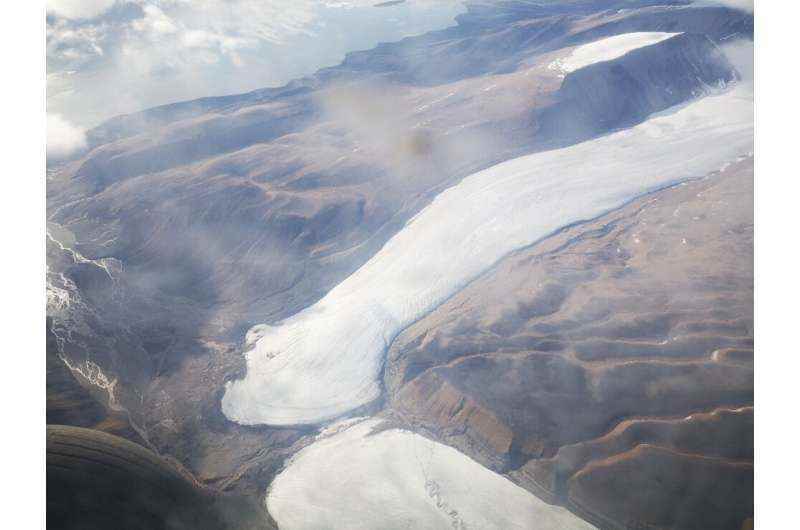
x,y
396,479
326,360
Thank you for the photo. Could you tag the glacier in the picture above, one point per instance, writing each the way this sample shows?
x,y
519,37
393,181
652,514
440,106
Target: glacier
x,y
607,49
326,360
356,477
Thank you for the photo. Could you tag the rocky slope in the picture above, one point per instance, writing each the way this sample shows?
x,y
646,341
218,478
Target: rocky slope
x,y
620,93
98,481
612,358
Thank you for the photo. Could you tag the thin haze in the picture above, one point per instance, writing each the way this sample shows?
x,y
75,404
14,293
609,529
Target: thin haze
x,y
111,57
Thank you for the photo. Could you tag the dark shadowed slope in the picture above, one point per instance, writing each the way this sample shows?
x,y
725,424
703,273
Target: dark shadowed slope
x,y
99,481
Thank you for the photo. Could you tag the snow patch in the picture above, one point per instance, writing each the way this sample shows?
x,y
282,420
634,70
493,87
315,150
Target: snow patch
x,y
606,49
396,479
326,360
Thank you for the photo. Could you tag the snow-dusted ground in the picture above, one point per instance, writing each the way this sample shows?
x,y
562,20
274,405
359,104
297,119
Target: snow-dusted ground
x,y
398,480
606,50
326,360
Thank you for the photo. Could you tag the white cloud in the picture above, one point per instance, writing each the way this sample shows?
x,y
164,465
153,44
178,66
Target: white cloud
x,y
63,138
205,39
78,8
740,54
155,21
744,5
142,53
74,45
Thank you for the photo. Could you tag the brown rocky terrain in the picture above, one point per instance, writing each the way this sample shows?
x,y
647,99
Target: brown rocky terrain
x,y
608,368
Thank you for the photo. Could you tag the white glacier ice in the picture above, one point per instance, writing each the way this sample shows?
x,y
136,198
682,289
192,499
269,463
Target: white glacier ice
x,y
607,49
326,360
396,479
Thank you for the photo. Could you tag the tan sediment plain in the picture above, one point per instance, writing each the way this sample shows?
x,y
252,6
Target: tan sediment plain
x,y
609,368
